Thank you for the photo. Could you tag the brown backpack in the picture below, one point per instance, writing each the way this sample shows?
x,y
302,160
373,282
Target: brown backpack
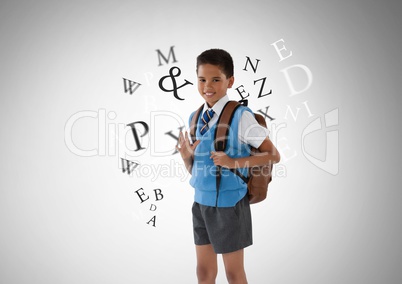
x,y
259,176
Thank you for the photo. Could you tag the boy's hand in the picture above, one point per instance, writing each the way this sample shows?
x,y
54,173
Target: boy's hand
x,y
184,147
221,159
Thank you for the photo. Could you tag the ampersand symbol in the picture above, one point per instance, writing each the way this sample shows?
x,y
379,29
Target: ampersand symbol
x,y
172,76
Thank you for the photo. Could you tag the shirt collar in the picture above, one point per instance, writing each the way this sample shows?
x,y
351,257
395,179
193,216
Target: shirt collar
x,y
218,106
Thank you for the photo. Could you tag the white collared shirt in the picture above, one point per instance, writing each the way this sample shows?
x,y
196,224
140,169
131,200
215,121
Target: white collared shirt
x,y
250,131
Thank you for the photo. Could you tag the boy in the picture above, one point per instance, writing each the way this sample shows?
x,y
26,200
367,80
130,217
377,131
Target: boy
x,y
222,218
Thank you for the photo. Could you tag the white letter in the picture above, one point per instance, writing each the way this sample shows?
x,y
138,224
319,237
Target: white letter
x,y
279,50
309,77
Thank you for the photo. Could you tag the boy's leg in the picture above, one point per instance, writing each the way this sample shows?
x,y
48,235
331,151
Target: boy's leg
x,y
234,267
207,265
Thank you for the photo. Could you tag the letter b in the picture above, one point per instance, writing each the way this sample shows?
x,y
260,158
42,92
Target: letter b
x,y
158,192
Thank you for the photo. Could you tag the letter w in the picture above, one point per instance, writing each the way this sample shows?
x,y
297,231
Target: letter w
x,y
130,86
129,166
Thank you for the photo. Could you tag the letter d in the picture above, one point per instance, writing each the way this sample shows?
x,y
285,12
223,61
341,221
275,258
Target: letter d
x,y
293,91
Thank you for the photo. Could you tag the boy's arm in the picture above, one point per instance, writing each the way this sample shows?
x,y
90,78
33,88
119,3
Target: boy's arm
x,y
188,163
269,154
186,150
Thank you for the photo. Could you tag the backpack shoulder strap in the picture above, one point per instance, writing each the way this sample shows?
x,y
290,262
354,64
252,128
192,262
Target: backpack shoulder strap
x,y
223,125
222,132
193,123
260,119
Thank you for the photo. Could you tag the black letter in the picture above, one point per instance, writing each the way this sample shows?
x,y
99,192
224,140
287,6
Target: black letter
x,y
171,52
159,193
153,220
262,87
175,137
240,93
266,113
252,66
137,140
128,166
142,194
128,86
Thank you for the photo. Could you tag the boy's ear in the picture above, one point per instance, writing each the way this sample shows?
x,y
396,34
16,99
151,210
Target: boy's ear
x,y
231,82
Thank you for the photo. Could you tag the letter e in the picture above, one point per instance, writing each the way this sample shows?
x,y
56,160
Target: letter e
x,y
141,194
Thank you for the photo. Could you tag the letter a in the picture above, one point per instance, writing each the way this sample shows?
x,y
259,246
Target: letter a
x,y
153,220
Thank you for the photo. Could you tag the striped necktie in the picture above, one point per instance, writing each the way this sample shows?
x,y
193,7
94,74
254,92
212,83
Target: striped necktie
x,y
206,117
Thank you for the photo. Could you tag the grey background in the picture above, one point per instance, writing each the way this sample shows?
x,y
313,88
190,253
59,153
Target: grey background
x,y
70,219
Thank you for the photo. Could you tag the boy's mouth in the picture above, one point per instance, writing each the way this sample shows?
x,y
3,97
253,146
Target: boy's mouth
x,y
209,94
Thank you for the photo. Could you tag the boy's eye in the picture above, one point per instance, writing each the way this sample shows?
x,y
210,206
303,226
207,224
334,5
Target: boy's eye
x,y
213,80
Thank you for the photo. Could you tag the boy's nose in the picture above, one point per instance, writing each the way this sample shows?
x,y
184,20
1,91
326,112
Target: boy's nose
x,y
208,85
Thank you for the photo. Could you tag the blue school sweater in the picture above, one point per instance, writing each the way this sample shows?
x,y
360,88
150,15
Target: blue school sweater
x,y
232,187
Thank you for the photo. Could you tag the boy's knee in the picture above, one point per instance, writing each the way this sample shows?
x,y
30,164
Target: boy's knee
x,y
236,276
206,273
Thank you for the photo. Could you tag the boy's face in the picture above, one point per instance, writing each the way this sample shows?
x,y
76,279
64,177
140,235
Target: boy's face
x,y
212,83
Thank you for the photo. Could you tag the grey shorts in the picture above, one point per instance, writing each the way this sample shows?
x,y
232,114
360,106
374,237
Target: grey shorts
x,y
228,229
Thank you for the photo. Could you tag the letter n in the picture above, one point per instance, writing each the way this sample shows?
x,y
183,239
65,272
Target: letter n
x,y
252,66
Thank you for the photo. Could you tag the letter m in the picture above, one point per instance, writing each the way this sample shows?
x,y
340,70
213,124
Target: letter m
x,y
160,55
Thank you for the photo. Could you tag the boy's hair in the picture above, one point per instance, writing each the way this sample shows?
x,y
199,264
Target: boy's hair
x,y
218,57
